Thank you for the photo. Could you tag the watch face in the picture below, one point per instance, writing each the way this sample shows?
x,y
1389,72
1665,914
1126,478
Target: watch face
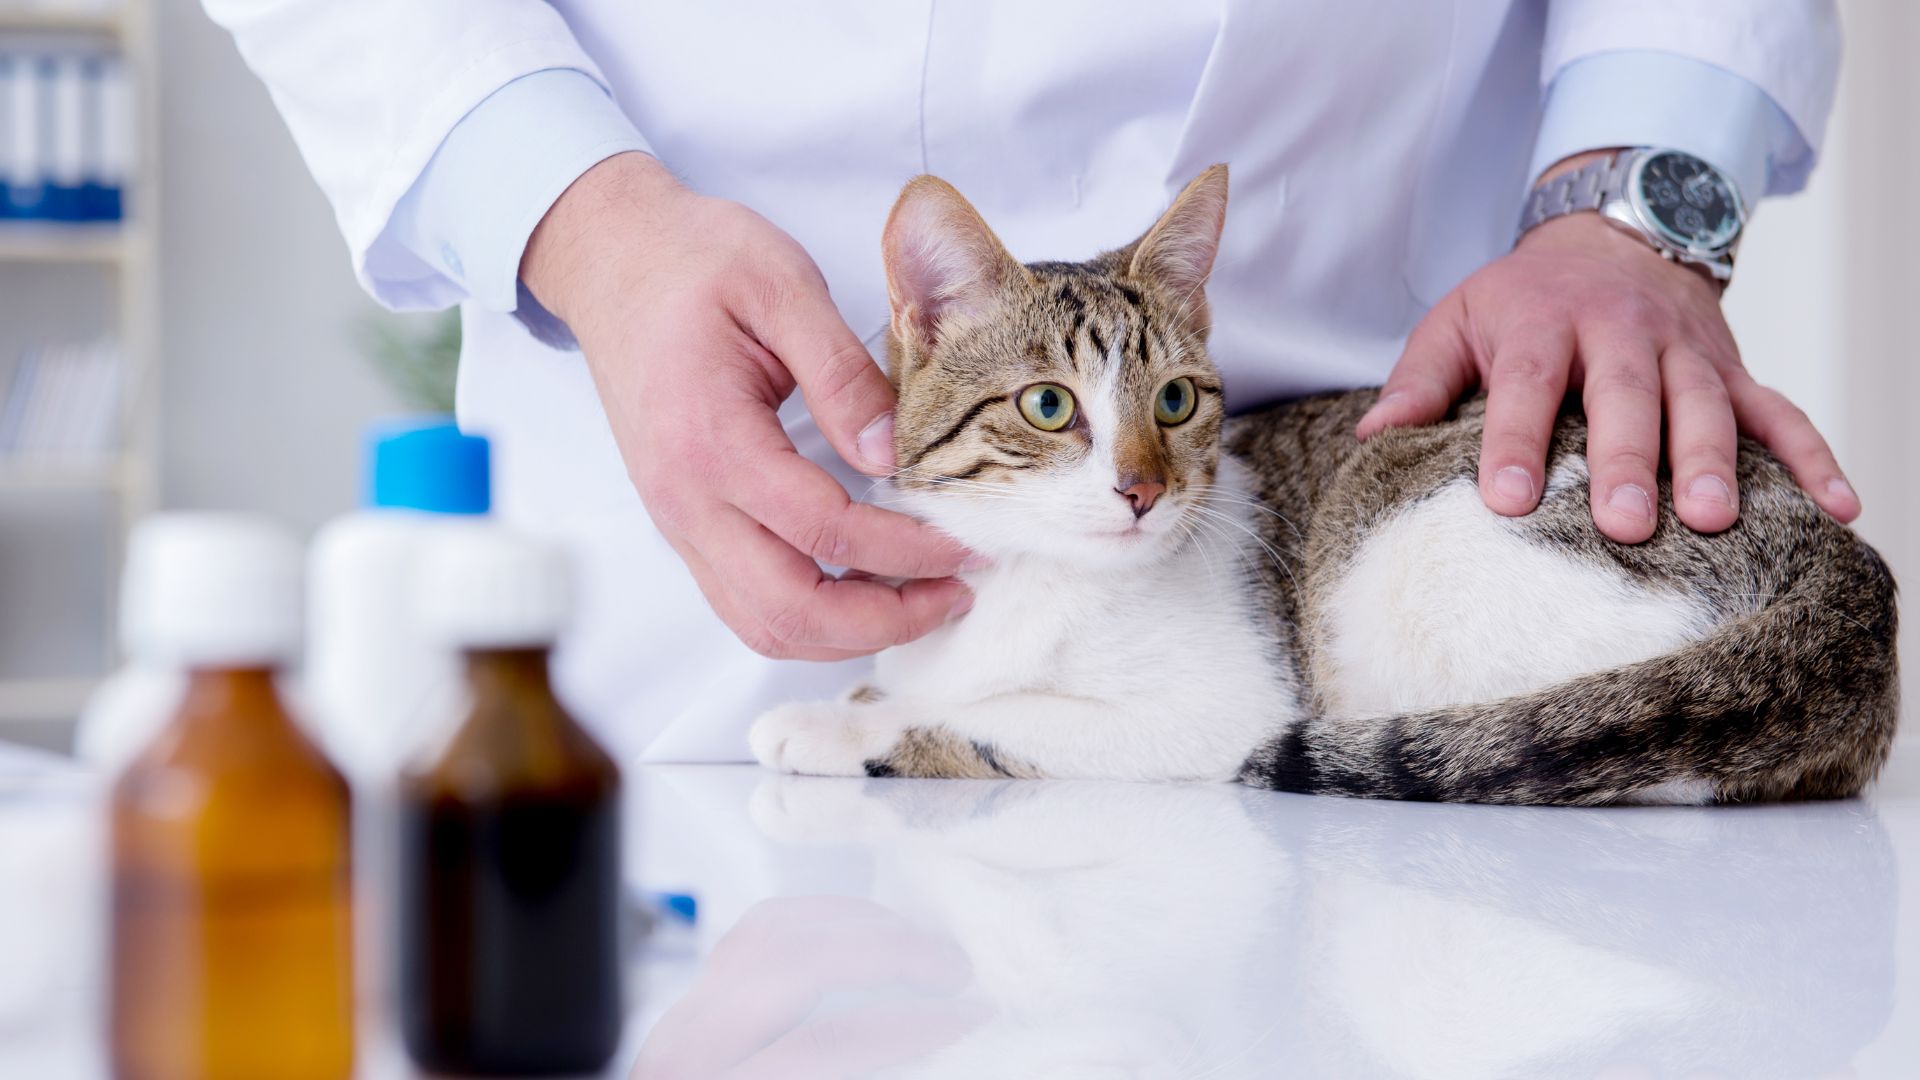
x,y
1689,202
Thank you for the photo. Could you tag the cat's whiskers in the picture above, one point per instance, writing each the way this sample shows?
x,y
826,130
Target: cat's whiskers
x,y
915,473
1215,493
1189,531
972,488
1219,518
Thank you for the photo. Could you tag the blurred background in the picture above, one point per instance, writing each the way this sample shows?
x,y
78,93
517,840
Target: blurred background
x,y
204,345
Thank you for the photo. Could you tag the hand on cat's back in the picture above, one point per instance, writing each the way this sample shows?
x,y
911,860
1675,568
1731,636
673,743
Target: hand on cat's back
x,y
1581,305
697,318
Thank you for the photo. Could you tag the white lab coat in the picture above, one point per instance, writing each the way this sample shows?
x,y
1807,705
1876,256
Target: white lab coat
x,y
1378,151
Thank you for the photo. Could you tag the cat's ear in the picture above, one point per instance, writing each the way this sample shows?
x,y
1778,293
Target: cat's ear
x,y
1178,252
943,262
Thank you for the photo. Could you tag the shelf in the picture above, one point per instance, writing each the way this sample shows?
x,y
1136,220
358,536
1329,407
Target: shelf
x,y
53,474
32,241
16,18
53,700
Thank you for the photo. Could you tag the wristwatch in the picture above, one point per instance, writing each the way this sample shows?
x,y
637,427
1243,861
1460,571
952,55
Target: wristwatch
x,y
1686,209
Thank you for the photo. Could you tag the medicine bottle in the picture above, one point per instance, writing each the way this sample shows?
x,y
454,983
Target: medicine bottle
x,y
231,936
509,837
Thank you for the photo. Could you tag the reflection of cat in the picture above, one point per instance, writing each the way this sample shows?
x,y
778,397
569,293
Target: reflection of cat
x,y
1178,595
1748,943
1187,931
1091,913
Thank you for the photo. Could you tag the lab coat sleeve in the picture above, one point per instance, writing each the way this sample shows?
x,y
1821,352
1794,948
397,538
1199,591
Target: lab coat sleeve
x,y
371,88
471,211
1745,86
1625,99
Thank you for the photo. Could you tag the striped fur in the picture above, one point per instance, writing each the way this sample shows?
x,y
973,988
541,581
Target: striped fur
x,y
1287,580
1792,694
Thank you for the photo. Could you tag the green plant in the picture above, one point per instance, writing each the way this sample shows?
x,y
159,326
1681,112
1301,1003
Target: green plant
x,y
417,355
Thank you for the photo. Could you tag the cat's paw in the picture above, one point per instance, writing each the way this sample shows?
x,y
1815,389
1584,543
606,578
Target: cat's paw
x,y
822,738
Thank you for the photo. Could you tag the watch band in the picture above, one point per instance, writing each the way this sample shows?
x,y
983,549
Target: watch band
x,y
1601,185
1588,187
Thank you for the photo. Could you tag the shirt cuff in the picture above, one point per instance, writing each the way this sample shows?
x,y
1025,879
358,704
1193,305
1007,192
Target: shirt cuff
x,y
1646,98
470,212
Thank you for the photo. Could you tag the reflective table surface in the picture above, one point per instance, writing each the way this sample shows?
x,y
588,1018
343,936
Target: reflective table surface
x,y
1091,929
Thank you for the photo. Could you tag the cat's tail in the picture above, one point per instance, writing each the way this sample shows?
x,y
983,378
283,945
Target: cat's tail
x,y
1796,700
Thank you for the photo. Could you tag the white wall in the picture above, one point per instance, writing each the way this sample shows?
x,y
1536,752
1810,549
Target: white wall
x,y
264,388
1825,298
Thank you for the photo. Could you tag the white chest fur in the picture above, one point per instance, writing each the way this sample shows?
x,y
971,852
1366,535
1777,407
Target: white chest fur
x,y
1176,643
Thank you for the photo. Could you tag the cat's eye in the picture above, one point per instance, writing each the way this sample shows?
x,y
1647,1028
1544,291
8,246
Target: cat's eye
x,y
1046,406
1174,403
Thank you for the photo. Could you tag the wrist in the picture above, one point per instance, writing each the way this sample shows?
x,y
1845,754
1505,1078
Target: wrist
x,y
567,253
1595,236
1598,210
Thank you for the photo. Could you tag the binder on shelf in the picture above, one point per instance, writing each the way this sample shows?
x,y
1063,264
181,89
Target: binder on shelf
x,y
110,149
66,131
6,135
62,405
66,88
25,193
20,391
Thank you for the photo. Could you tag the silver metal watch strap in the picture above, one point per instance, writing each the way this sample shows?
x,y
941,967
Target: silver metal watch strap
x,y
1589,187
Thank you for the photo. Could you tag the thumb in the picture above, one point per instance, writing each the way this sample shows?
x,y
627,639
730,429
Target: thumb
x,y
847,393
1433,371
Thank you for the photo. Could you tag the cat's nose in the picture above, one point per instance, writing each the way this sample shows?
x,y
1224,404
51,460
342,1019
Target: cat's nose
x,y
1141,491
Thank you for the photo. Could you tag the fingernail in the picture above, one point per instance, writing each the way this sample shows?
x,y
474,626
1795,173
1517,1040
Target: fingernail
x,y
1379,407
961,605
976,562
1840,489
1710,488
1514,484
876,442
1631,499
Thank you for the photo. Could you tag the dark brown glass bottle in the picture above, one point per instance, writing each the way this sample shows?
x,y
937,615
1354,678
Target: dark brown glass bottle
x,y
232,928
510,885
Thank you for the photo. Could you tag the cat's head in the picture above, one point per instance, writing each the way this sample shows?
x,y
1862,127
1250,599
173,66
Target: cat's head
x,y
1062,409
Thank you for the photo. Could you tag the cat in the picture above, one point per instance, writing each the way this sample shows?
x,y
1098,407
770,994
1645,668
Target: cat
x,y
1175,594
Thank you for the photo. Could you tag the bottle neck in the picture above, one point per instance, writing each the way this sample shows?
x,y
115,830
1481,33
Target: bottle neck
x,y
516,672
225,690
228,703
514,716
516,734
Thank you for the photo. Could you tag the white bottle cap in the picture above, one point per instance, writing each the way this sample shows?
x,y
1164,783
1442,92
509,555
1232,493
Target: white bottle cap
x,y
491,588
211,590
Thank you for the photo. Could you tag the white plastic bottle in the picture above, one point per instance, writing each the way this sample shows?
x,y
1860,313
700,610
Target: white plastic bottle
x,y
373,676
375,680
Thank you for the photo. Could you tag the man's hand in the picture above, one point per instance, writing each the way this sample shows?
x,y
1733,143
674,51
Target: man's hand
x,y
698,318
1582,305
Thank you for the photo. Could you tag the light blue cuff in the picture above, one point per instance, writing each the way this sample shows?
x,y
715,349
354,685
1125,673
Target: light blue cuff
x,y
1646,98
471,210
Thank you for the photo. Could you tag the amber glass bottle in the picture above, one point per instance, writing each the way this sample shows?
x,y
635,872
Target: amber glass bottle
x,y
510,842
231,950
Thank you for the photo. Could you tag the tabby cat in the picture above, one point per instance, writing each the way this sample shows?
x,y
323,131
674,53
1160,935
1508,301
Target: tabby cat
x,y
1176,594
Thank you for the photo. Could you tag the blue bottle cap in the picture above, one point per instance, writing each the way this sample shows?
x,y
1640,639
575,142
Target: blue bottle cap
x,y
681,907
426,463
